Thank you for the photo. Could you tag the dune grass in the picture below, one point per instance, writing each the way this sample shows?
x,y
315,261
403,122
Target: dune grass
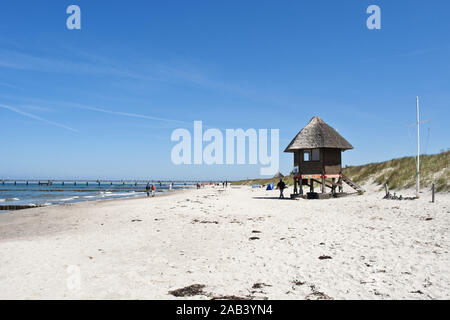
x,y
399,173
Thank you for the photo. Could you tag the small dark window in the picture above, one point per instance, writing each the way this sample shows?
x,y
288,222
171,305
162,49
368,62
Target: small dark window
x,y
306,156
315,155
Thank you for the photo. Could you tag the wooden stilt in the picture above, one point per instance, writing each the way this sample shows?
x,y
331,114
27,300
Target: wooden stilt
x,y
323,184
301,185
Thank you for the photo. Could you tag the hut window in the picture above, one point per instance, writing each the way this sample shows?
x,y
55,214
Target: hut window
x,y
315,155
306,156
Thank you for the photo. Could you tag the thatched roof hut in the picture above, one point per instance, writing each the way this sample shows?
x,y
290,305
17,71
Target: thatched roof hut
x,y
317,149
278,176
318,134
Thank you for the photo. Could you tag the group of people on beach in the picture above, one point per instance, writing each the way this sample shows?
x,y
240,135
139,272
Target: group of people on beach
x,y
150,189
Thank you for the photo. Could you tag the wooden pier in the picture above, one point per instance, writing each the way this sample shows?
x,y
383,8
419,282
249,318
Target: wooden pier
x,y
98,182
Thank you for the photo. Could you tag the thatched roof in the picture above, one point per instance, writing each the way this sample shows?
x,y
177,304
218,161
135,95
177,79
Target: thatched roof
x,y
317,134
278,176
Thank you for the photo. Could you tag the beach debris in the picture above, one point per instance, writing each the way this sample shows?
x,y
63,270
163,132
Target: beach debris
x,y
378,293
136,220
427,283
260,285
204,221
389,196
366,282
254,238
257,219
417,291
317,295
256,231
325,257
189,291
298,283
198,290
233,297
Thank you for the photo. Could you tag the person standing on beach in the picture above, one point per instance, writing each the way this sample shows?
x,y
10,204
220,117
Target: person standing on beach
x,y
153,190
281,185
147,188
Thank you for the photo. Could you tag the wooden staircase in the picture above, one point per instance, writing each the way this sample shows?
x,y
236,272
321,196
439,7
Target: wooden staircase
x,y
348,181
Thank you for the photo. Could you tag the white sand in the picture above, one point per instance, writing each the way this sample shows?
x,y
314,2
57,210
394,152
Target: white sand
x,y
380,249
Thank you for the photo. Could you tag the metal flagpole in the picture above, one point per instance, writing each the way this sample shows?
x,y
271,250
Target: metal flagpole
x,y
418,147
418,150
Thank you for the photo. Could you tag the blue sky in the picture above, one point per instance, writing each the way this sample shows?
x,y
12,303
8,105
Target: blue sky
x,y
102,102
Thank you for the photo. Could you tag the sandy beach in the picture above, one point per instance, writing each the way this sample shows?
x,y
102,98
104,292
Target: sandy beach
x,y
229,243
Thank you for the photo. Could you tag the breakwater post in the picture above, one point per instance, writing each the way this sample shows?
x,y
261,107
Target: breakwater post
x,y
433,188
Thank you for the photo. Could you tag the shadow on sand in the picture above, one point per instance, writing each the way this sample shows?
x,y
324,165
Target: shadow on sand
x,y
271,198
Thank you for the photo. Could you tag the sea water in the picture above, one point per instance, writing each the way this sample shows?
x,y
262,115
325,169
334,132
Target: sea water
x,y
34,194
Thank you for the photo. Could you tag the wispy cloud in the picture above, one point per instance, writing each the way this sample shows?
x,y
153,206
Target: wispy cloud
x,y
32,116
175,73
28,62
125,114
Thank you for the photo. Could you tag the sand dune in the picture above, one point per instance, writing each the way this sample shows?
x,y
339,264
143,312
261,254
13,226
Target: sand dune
x,y
233,243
